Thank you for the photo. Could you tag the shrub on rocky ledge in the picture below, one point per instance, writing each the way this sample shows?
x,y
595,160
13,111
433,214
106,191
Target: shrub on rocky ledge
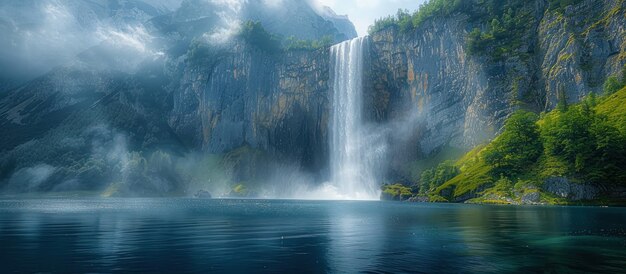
x,y
395,192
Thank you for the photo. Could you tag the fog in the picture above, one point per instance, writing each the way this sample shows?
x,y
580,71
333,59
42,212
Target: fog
x,y
39,35
120,36
29,178
229,23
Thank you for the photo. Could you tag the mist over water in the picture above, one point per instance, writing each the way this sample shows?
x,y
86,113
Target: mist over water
x,y
354,153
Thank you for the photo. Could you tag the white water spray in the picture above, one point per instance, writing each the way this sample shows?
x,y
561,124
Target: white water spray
x,y
354,153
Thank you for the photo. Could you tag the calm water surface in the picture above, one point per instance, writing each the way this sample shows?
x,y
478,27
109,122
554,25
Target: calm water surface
x,y
187,235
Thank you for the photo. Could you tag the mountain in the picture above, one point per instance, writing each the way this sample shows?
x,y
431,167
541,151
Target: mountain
x,y
467,67
217,94
40,35
168,91
341,22
573,154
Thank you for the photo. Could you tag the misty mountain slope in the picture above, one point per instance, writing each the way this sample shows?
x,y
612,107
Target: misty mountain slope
x,y
191,86
299,19
341,22
39,35
44,103
87,133
217,21
167,89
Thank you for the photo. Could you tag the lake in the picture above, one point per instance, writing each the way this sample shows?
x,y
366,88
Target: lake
x,y
243,236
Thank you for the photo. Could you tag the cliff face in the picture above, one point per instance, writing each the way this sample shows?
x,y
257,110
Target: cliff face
x,y
90,125
430,72
248,97
579,48
465,97
425,83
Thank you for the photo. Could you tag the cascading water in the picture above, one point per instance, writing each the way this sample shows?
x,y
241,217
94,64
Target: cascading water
x,y
353,152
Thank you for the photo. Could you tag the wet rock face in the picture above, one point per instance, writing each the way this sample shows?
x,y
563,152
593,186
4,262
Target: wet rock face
x,y
580,48
562,187
464,99
530,198
424,85
428,72
274,102
241,95
565,188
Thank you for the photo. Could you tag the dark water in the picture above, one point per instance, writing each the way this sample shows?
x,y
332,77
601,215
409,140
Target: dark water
x,y
185,235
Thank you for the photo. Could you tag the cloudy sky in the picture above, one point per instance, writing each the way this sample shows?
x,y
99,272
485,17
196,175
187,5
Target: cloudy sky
x,y
363,12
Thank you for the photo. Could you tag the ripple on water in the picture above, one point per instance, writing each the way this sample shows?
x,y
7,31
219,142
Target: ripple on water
x,y
194,235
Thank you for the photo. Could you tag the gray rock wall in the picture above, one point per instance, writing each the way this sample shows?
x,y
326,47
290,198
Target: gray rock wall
x,y
274,102
580,48
430,72
464,99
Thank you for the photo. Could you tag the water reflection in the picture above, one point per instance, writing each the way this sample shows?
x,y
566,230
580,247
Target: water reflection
x,y
182,235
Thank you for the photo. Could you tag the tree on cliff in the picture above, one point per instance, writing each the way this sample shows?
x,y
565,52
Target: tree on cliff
x,y
517,147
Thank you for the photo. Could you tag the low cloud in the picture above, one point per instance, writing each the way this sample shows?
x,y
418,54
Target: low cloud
x,y
40,35
30,179
229,13
134,37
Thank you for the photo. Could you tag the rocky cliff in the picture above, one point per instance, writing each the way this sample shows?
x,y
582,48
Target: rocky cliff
x,y
464,97
139,118
276,102
251,103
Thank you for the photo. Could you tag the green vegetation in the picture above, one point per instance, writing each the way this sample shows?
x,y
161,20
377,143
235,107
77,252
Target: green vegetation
x,y
504,32
255,34
500,27
615,83
407,22
613,109
414,169
559,5
396,192
484,10
474,176
293,43
434,177
517,147
201,53
584,142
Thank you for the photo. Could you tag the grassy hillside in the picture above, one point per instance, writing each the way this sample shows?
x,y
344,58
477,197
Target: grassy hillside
x,y
583,144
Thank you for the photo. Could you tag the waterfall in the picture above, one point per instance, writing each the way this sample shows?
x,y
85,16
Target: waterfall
x,y
353,151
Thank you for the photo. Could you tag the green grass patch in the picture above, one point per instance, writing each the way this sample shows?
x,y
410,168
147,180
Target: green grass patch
x,y
583,142
475,174
614,107
396,192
